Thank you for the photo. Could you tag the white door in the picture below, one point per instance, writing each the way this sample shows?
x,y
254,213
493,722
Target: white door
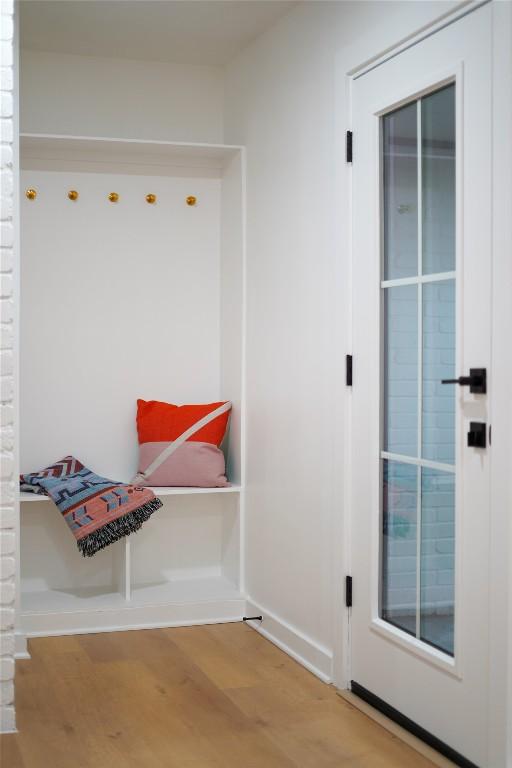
x,y
422,315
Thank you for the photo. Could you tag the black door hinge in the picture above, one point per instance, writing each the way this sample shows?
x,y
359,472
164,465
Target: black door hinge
x,y
348,370
349,147
348,591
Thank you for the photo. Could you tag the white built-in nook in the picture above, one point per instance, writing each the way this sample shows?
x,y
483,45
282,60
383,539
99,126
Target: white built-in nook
x,y
119,301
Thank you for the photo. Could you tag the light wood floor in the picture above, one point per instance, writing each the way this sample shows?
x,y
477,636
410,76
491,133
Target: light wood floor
x,y
195,697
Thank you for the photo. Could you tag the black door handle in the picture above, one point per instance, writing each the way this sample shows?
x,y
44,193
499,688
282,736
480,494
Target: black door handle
x,y
476,381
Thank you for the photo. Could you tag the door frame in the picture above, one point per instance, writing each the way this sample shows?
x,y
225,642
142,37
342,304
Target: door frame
x,y
500,576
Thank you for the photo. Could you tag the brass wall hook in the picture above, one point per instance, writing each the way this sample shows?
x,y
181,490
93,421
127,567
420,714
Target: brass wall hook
x,y
73,194
31,194
191,200
151,198
113,197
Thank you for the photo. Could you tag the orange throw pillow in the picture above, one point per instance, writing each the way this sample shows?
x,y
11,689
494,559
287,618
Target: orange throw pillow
x,y
179,445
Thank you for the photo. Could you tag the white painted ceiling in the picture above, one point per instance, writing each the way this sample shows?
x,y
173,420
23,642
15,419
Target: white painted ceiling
x,y
187,31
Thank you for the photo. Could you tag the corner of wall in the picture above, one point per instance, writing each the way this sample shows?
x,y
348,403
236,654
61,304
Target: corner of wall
x,y
8,461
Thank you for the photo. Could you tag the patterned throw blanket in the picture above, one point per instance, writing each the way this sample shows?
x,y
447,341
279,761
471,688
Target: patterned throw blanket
x,y
98,511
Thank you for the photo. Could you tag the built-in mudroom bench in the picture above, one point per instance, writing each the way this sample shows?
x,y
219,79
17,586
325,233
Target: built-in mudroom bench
x,y
132,287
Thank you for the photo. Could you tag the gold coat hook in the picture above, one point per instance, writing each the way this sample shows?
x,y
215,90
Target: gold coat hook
x,y
151,198
191,200
73,194
113,197
31,194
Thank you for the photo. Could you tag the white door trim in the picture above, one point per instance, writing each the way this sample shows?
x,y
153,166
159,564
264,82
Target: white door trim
x,y
500,609
465,7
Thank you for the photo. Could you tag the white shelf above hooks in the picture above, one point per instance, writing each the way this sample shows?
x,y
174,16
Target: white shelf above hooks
x,y
129,156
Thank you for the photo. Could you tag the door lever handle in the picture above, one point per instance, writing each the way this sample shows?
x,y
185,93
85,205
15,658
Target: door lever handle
x,y
476,381
464,381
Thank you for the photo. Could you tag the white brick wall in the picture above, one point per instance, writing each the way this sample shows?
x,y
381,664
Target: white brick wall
x,y
7,411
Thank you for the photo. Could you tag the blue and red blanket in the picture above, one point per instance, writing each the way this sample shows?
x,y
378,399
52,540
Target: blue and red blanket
x,y
97,510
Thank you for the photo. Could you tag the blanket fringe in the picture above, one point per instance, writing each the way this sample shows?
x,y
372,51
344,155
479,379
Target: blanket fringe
x,y
117,529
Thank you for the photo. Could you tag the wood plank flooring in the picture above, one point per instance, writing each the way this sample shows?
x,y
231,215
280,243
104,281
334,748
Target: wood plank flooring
x,y
193,697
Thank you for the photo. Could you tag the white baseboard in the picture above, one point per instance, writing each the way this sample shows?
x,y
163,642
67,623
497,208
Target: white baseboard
x,y
131,627
315,657
132,617
20,646
312,655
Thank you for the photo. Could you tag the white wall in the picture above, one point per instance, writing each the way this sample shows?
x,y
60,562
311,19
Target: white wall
x,y
285,99
131,316
89,96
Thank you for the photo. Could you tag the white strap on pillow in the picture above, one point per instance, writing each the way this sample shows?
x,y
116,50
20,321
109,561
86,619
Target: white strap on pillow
x,y
169,450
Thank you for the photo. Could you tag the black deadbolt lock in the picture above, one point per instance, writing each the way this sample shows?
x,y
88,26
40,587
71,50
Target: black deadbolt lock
x,y
477,435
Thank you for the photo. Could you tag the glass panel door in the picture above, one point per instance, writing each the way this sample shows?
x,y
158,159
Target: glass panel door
x,y
418,351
